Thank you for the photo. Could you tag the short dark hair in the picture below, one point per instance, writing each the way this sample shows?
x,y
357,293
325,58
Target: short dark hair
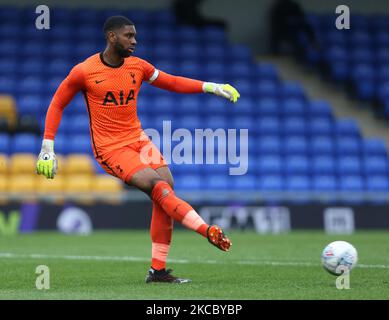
x,y
116,22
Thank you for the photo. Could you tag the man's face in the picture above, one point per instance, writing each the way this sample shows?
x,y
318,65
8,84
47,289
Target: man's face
x,y
123,40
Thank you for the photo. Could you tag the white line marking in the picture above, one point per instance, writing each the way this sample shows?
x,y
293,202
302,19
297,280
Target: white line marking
x,y
7,255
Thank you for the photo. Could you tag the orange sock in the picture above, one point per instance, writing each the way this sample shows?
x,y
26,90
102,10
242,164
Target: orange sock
x,y
161,231
178,209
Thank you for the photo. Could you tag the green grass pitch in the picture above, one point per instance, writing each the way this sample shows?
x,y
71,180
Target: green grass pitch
x,y
113,265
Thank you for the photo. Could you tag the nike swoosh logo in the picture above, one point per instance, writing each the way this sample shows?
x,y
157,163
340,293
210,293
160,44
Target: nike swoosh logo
x,y
97,81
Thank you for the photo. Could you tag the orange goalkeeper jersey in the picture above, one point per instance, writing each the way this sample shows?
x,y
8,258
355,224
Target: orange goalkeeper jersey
x,y
111,93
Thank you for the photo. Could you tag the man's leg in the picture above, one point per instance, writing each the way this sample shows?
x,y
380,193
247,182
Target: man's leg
x,y
149,181
161,229
161,193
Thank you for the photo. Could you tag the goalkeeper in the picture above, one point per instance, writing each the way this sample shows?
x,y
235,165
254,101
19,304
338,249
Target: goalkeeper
x,y
110,82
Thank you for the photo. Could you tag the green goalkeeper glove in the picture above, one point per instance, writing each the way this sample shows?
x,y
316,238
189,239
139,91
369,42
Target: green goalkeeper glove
x,y
47,162
222,90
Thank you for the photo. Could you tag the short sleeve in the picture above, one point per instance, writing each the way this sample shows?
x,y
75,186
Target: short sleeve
x,y
149,71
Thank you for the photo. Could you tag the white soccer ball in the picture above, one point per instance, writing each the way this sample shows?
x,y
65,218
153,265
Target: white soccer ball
x,y
339,257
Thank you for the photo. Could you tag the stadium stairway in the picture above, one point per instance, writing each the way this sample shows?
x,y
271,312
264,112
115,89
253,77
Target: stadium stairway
x,y
342,104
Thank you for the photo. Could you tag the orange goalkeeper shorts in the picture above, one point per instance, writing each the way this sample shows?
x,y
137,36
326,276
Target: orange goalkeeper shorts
x,y
126,161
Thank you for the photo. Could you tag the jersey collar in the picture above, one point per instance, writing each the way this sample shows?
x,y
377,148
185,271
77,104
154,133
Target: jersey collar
x,y
110,65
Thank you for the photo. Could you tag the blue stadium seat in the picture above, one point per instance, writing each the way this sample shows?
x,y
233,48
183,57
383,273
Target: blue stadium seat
x,y
379,23
189,182
362,55
239,53
294,126
25,143
88,15
375,165
323,165
213,35
5,142
240,69
8,85
79,143
34,49
266,71
159,120
298,183
334,38
268,125
84,50
270,182
363,71
213,105
325,183
383,91
267,107
215,122
348,146
377,183
244,122
31,85
163,51
60,50
322,145
187,33
295,145
64,125
349,165
374,146
214,51
347,127
269,144
292,89
365,90
293,107
32,67
8,67
30,104
164,104
267,89
9,48
215,70
60,142
246,106
163,17
359,38
383,73
243,182
58,31
10,31
189,50
165,34
88,33
297,165
189,68
61,16
217,182
382,56
336,53
77,105
78,124
351,183
269,164
339,70
53,84
191,122
319,108
189,105
245,88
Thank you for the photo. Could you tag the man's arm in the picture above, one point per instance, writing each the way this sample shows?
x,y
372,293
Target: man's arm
x,y
68,88
177,84
73,83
